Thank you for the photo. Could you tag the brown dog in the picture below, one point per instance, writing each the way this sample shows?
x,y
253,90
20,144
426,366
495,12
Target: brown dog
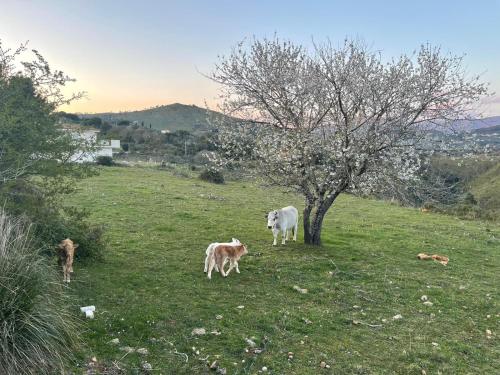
x,y
66,251
221,253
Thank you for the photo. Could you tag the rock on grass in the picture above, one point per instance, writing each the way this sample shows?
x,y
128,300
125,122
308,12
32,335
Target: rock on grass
x,y
198,331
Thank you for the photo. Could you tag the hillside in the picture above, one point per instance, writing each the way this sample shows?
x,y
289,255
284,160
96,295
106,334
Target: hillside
x,y
486,189
469,125
362,313
172,117
488,130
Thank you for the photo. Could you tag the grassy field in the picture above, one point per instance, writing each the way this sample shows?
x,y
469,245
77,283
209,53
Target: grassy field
x,y
486,189
150,291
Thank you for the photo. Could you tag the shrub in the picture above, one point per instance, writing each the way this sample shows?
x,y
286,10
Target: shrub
x,y
212,175
105,160
51,221
37,334
71,224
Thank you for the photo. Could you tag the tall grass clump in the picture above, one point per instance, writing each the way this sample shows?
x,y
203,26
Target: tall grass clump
x,y
36,332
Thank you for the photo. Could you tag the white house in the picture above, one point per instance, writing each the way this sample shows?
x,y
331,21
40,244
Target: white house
x,y
89,136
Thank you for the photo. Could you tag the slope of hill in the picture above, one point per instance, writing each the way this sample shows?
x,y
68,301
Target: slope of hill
x,y
172,117
486,189
469,125
489,130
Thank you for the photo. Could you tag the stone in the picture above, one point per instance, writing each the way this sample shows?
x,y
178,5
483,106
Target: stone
x,y
397,317
147,366
300,290
142,351
322,364
198,331
114,341
251,343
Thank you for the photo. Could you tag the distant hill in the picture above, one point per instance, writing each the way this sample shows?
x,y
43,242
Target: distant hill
x,y
190,117
489,130
470,125
172,117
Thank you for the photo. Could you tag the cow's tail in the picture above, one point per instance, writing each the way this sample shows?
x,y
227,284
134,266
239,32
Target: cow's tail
x,y
210,248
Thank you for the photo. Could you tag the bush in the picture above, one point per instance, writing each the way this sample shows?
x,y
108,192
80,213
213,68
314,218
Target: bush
x,y
37,334
50,221
105,160
212,175
71,224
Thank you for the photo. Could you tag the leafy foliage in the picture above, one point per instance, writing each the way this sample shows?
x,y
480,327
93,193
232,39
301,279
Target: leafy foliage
x,y
212,175
105,160
36,166
39,202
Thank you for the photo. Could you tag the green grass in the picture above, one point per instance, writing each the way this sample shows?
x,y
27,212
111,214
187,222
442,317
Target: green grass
x,y
486,189
150,291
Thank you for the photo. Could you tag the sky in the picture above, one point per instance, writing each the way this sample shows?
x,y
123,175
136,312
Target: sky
x,y
129,55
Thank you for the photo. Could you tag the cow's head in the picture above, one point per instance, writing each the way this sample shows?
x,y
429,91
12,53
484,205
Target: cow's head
x,y
272,218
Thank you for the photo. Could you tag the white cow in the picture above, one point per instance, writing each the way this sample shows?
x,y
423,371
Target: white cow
x,y
211,248
283,221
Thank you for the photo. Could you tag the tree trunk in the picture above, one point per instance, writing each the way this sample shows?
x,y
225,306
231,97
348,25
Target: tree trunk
x,y
314,213
307,224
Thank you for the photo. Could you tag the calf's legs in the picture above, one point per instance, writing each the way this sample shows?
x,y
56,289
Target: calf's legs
x,y
211,265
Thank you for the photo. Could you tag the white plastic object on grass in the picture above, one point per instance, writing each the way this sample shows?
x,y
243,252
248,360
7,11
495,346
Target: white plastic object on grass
x,y
88,311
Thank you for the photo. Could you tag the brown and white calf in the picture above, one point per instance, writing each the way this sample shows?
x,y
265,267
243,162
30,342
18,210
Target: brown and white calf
x,y
66,251
221,252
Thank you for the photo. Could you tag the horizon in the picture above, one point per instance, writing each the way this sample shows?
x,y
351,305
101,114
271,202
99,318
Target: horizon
x,y
133,56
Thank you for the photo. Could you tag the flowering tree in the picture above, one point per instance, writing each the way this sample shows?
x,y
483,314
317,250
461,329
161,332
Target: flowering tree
x,y
335,119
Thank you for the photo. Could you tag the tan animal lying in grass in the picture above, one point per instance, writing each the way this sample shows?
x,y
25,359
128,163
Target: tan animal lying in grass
x,y
440,258
221,252
66,251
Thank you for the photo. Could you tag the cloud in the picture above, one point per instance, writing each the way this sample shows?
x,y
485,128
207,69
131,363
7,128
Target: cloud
x,y
495,99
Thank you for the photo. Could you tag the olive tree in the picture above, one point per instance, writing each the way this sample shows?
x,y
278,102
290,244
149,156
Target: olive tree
x,y
31,141
329,120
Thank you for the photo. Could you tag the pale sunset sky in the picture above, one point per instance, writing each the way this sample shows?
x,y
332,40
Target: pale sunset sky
x,y
135,54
